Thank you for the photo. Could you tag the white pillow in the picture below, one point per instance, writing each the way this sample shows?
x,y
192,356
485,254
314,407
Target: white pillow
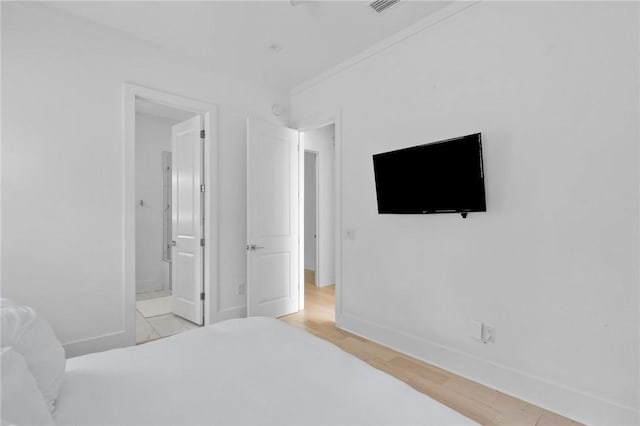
x,y
22,402
31,336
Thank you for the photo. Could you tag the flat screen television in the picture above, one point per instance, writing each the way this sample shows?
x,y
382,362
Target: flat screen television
x,y
439,177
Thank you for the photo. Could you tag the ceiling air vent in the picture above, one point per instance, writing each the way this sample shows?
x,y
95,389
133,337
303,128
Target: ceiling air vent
x,y
382,5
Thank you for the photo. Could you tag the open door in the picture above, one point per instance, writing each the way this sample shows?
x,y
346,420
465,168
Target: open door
x,y
187,273
272,220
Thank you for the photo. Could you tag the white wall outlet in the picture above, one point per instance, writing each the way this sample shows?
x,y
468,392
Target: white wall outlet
x,y
475,330
482,332
349,234
241,289
489,335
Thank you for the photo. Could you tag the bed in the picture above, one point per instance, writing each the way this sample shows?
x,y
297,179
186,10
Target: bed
x,y
247,371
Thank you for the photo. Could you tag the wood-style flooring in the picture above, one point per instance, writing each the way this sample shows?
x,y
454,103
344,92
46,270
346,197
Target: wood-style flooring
x,y
478,402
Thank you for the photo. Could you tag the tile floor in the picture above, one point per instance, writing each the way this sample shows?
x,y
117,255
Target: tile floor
x,y
152,328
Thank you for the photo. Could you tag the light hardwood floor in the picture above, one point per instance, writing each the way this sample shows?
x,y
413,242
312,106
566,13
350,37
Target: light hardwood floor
x,y
480,403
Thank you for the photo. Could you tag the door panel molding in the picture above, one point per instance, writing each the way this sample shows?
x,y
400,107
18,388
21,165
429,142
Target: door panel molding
x,y
272,219
187,211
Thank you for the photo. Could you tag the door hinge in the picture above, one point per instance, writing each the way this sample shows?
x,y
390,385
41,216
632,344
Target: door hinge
x,y
202,242
201,296
201,188
201,134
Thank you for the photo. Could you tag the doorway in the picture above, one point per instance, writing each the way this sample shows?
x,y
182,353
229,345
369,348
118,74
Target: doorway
x,y
310,216
276,217
170,221
157,315
319,219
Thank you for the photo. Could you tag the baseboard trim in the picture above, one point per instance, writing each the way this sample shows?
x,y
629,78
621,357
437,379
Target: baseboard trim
x,y
231,313
148,286
325,285
118,339
572,403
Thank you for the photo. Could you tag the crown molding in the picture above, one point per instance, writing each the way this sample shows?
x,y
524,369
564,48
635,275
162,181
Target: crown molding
x,y
429,21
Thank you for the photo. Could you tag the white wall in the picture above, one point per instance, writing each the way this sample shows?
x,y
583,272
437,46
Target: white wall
x,y
310,211
322,142
62,167
153,136
553,263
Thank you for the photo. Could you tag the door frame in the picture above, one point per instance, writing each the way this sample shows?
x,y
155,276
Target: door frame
x,y
311,122
209,112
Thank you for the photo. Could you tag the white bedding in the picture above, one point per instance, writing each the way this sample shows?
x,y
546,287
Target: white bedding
x,y
248,371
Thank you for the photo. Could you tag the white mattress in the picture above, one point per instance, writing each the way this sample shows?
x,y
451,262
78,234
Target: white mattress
x,y
248,371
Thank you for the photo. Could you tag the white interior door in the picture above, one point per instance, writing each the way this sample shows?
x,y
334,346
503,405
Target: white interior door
x,y
187,272
272,219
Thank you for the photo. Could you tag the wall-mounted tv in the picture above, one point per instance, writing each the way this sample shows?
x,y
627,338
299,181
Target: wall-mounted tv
x,y
439,177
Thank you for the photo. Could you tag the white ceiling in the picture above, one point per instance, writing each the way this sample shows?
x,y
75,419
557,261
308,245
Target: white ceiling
x,y
234,37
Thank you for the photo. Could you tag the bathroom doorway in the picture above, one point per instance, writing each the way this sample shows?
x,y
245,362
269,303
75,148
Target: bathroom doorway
x,y
157,127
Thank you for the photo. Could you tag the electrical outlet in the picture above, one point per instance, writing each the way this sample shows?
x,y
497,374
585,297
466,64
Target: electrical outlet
x,y
241,289
482,332
489,335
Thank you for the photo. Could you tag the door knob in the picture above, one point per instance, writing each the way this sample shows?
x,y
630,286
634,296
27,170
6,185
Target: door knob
x,y
173,243
254,247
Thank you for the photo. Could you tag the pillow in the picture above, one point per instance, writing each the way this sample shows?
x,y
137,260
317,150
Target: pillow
x,y
22,402
32,337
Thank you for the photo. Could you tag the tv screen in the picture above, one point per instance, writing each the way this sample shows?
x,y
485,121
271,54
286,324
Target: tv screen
x,y
440,177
